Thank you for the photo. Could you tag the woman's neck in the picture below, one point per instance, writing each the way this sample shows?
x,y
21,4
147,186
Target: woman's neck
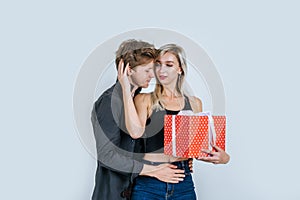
x,y
172,100
170,93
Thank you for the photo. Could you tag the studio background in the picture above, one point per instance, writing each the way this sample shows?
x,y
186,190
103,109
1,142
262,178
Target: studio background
x,y
254,45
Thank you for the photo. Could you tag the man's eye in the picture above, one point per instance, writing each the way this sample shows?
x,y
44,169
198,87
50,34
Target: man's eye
x,y
168,65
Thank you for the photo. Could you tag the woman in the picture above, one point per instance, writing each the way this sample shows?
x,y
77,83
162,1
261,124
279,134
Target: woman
x,y
146,120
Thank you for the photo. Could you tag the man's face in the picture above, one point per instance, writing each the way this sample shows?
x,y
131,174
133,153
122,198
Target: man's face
x,y
142,75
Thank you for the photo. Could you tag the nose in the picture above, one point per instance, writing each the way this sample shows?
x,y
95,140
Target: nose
x,y
161,69
151,74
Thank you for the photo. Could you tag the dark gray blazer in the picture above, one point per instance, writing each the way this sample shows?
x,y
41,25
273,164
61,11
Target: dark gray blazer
x,y
116,166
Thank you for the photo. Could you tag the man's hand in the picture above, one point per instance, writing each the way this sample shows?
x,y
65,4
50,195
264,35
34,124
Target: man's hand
x,y
218,157
165,172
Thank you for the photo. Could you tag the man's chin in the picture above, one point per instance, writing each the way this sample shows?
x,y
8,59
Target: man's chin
x,y
145,85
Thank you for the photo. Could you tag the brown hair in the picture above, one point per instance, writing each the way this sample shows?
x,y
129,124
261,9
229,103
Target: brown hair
x,y
135,52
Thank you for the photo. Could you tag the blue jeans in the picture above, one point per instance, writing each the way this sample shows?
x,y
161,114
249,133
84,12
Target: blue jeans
x,y
149,188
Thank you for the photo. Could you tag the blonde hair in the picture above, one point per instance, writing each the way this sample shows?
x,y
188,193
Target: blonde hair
x,y
179,53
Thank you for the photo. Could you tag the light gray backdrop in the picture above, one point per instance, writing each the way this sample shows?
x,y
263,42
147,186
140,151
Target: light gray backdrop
x,y
254,45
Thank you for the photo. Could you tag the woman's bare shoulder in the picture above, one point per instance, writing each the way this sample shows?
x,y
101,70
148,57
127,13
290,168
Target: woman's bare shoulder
x,y
196,103
142,97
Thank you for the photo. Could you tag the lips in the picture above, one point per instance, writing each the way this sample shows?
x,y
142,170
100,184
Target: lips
x,y
161,77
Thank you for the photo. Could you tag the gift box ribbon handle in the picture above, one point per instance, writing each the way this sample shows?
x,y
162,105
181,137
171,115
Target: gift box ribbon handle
x,y
211,130
173,136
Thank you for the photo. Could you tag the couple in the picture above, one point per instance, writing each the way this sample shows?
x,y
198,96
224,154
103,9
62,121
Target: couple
x,y
126,123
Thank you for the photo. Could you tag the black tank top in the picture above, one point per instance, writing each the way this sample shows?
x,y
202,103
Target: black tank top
x,y
154,131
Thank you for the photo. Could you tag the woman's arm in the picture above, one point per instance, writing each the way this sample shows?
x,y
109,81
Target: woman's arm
x,y
218,157
142,103
133,123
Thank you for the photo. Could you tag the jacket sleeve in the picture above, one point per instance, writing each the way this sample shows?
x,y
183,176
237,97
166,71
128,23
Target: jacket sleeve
x,y
107,135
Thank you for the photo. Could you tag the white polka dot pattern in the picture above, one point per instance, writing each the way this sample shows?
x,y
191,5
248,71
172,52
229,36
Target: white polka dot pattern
x,y
192,135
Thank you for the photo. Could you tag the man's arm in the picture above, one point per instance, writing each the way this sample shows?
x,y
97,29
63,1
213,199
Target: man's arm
x,y
107,134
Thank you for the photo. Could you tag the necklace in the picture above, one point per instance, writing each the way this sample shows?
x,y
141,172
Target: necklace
x,y
176,103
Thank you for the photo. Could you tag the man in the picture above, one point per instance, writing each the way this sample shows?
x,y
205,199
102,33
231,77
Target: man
x,y
117,164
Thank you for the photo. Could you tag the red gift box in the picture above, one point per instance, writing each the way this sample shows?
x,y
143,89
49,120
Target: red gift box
x,y
186,134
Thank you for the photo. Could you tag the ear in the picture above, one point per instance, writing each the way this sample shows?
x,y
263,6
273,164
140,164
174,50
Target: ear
x,y
179,70
130,71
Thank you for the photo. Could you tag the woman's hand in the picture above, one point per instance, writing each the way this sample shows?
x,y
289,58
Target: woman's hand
x,y
218,157
123,75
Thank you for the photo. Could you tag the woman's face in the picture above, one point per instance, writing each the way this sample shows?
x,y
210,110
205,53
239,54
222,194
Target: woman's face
x,y
167,69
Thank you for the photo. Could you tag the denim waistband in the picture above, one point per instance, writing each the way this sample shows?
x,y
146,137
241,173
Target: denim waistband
x,y
184,164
